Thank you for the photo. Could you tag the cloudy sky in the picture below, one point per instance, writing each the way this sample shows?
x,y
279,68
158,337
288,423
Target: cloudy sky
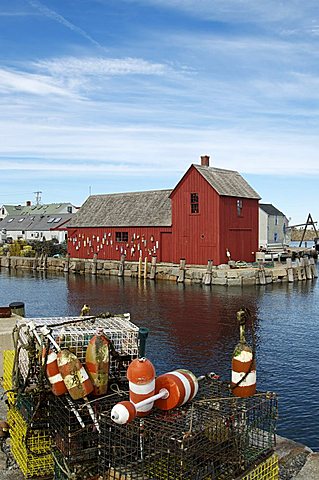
x,y
109,96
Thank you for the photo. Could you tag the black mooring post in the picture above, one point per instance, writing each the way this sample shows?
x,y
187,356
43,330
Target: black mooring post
x,y
142,335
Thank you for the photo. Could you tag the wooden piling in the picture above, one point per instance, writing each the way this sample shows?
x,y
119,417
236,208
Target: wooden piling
x,y
153,268
207,279
121,266
35,263
307,268
182,270
262,275
290,270
140,267
145,267
66,263
313,267
94,264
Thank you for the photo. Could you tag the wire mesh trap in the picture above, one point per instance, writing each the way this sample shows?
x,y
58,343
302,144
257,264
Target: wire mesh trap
x,y
73,431
74,333
217,436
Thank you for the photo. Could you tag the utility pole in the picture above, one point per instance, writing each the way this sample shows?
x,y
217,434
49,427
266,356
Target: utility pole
x,y
37,197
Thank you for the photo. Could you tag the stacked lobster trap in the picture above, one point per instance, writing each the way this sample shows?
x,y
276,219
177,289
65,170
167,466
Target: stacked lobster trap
x,y
217,436
56,436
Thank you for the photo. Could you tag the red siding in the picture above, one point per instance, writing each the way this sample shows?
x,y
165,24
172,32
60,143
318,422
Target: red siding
x,y
238,233
145,241
206,235
195,236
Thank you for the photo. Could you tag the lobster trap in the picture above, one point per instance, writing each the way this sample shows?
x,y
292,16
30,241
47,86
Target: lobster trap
x,y
64,469
30,446
218,436
74,333
267,469
8,362
75,435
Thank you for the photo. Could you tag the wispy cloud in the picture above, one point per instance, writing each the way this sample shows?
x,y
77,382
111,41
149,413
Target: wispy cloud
x,y
43,9
98,66
12,81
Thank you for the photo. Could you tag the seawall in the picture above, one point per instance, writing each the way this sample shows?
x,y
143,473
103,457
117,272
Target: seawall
x,y
228,275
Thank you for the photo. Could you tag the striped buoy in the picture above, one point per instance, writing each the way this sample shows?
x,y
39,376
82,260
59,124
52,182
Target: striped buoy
x,y
123,412
141,377
74,374
243,377
54,376
97,362
182,386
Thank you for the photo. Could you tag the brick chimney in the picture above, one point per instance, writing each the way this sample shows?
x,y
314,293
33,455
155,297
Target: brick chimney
x,y
204,160
28,203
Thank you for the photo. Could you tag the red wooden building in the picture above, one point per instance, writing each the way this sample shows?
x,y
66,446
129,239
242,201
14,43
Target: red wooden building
x,y
212,214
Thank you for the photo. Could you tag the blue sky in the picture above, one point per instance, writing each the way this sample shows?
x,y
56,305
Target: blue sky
x,y
109,96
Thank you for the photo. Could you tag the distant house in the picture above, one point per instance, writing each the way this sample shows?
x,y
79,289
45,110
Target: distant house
x,y
29,209
211,214
34,227
272,225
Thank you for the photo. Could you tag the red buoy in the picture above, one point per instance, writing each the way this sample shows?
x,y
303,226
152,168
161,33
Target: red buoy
x,y
141,377
58,386
74,374
243,376
97,362
182,386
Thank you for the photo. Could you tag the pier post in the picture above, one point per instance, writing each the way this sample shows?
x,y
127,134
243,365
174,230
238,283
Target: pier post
x,y
45,262
290,270
66,263
207,279
262,275
153,268
94,266
145,268
308,268
140,268
35,262
121,266
313,267
182,270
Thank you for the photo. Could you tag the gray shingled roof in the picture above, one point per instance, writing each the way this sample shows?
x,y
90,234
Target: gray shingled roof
x,y
227,183
34,222
45,209
271,210
135,209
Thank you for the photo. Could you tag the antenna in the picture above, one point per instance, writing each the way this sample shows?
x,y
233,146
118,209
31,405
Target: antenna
x,y
37,197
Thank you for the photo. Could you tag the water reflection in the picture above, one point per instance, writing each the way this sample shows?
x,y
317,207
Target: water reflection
x,y
195,327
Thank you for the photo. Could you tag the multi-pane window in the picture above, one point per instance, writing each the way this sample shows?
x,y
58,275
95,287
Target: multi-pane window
x,y
121,236
194,203
239,207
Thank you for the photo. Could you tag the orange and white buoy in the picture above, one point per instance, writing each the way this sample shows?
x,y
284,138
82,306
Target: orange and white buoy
x,y
74,375
243,376
173,390
97,362
141,377
182,386
54,376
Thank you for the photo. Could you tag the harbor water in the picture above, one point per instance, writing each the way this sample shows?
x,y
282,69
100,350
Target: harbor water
x,y
194,327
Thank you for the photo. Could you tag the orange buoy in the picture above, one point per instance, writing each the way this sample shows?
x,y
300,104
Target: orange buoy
x,y
243,377
123,412
173,389
141,377
54,376
182,386
74,374
97,362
